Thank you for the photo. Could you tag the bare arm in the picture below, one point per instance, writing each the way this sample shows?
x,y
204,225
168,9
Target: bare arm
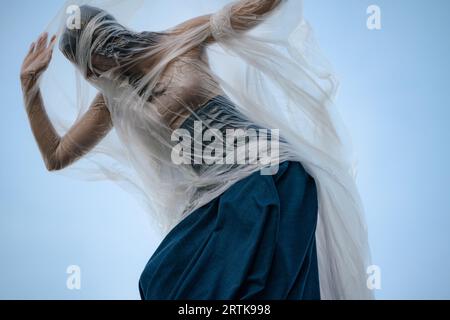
x,y
59,152
245,15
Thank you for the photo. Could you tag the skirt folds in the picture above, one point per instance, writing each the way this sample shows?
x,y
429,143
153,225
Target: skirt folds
x,y
254,242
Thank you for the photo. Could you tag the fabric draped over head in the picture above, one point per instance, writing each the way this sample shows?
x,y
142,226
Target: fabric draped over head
x,y
276,77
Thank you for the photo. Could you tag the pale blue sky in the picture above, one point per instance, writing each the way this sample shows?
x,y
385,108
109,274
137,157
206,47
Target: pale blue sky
x,y
395,102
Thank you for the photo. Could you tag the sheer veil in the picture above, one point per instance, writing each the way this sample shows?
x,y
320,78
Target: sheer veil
x,y
276,76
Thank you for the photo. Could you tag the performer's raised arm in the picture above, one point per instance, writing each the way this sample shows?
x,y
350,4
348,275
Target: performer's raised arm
x,y
244,15
59,152
249,13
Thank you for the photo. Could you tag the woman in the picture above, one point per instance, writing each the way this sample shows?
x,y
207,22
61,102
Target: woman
x,y
236,231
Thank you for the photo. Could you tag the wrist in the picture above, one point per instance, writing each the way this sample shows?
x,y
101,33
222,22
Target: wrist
x,y
28,82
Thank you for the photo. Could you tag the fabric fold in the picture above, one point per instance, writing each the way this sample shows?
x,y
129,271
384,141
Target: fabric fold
x,y
255,241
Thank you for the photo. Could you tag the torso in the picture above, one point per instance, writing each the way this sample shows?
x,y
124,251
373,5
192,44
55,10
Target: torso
x,y
187,82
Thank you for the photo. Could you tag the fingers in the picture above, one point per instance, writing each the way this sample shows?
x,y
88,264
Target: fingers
x,y
31,50
51,45
42,42
52,42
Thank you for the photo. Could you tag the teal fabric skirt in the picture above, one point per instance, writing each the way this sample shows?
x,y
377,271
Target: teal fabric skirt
x,y
254,242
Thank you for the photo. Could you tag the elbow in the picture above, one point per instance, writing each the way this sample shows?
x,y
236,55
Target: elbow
x,y
53,166
53,169
57,160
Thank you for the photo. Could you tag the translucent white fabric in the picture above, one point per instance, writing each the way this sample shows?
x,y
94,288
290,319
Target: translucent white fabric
x,y
274,74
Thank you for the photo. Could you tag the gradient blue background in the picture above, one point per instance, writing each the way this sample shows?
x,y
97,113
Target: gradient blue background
x,y
394,98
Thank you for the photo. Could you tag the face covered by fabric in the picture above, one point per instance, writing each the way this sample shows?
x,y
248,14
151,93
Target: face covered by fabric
x,y
100,44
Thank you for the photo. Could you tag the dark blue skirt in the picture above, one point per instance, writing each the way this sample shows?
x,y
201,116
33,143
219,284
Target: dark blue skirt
x,y
255,241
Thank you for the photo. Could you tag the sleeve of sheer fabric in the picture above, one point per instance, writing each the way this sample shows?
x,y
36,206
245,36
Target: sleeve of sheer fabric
x,y
84,135
242,15
60,152
245,15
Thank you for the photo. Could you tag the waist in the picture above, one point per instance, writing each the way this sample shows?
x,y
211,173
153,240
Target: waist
x,y
218,111
220,137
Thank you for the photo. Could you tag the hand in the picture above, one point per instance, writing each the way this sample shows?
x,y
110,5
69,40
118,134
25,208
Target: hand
x,y
36,61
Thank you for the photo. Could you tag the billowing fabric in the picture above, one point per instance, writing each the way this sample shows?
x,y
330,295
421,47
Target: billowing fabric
x,y
274,74
255,241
